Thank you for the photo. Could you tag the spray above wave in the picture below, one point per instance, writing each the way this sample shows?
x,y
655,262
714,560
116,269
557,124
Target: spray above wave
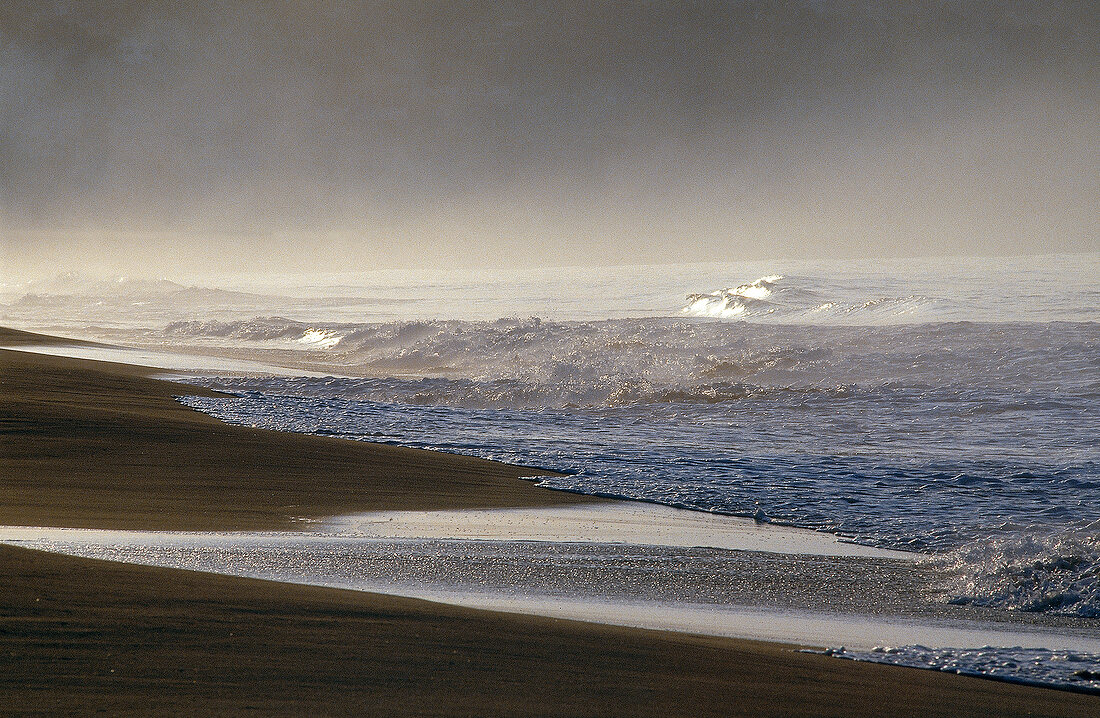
x,y
539,364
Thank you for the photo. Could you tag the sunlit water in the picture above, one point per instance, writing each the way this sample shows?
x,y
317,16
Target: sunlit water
x,y
950,407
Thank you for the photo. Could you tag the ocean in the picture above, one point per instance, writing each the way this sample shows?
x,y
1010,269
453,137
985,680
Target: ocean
x,y
948,406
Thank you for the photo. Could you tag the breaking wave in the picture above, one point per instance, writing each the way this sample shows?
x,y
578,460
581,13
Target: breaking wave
x,y
1043,571
775,297
513,363
728,303
320,338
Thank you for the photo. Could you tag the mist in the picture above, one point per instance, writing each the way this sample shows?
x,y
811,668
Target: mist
x,y
192,137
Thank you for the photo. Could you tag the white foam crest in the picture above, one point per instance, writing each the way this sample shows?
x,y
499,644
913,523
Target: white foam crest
x,y
535,363
733,302
1072,670
777,298
1048,571
320,338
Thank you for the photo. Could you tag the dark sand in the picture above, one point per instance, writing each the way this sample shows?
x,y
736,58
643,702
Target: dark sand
x,y
101,445
94,444
80,635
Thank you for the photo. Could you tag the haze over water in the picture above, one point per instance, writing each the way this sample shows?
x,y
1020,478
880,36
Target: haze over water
x,y
191,138
917,404
659,247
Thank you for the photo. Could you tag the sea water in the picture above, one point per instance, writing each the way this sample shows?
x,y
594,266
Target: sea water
x,y
949,407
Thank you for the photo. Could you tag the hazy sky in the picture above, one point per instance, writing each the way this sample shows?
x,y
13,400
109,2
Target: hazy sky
x,y
164,137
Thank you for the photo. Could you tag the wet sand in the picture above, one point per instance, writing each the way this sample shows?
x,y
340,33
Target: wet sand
x,y
81,636
103,445
857,602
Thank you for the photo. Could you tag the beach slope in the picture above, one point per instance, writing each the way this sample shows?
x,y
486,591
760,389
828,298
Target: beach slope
x,y
104,445
79,636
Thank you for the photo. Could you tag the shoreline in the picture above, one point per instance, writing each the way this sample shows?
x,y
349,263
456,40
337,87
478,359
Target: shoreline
x,y
102,445
823,599
150,640
617,521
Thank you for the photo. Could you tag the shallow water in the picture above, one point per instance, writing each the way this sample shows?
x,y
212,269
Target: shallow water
x,y
947,406
911,438
808,599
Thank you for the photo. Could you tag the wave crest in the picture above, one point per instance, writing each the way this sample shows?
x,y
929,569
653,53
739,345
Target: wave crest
x,y
1035,571
736,301
258,329
775,297
615,362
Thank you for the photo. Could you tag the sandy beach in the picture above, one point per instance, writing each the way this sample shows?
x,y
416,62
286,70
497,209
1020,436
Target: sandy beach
x,y
549,359
103,445
122,454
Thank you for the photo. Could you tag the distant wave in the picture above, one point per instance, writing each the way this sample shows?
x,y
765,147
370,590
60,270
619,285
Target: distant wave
x,y
74,284
261,329
798,299
258,329
533,363
871,294
71,295
735,302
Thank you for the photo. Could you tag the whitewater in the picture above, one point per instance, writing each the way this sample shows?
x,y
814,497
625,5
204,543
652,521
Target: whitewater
x,y
947,407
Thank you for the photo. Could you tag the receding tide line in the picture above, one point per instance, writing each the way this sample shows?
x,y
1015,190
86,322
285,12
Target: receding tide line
x,y
619,522
360,553
179,365
777,625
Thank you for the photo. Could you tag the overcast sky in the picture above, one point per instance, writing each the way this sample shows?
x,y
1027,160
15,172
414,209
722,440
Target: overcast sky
x,y
166,137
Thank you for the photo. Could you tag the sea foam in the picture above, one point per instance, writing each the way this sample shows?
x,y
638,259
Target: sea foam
x,y
1071,670
1040,570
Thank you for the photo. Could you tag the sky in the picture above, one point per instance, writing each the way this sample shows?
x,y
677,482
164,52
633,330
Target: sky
x,y
162,138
